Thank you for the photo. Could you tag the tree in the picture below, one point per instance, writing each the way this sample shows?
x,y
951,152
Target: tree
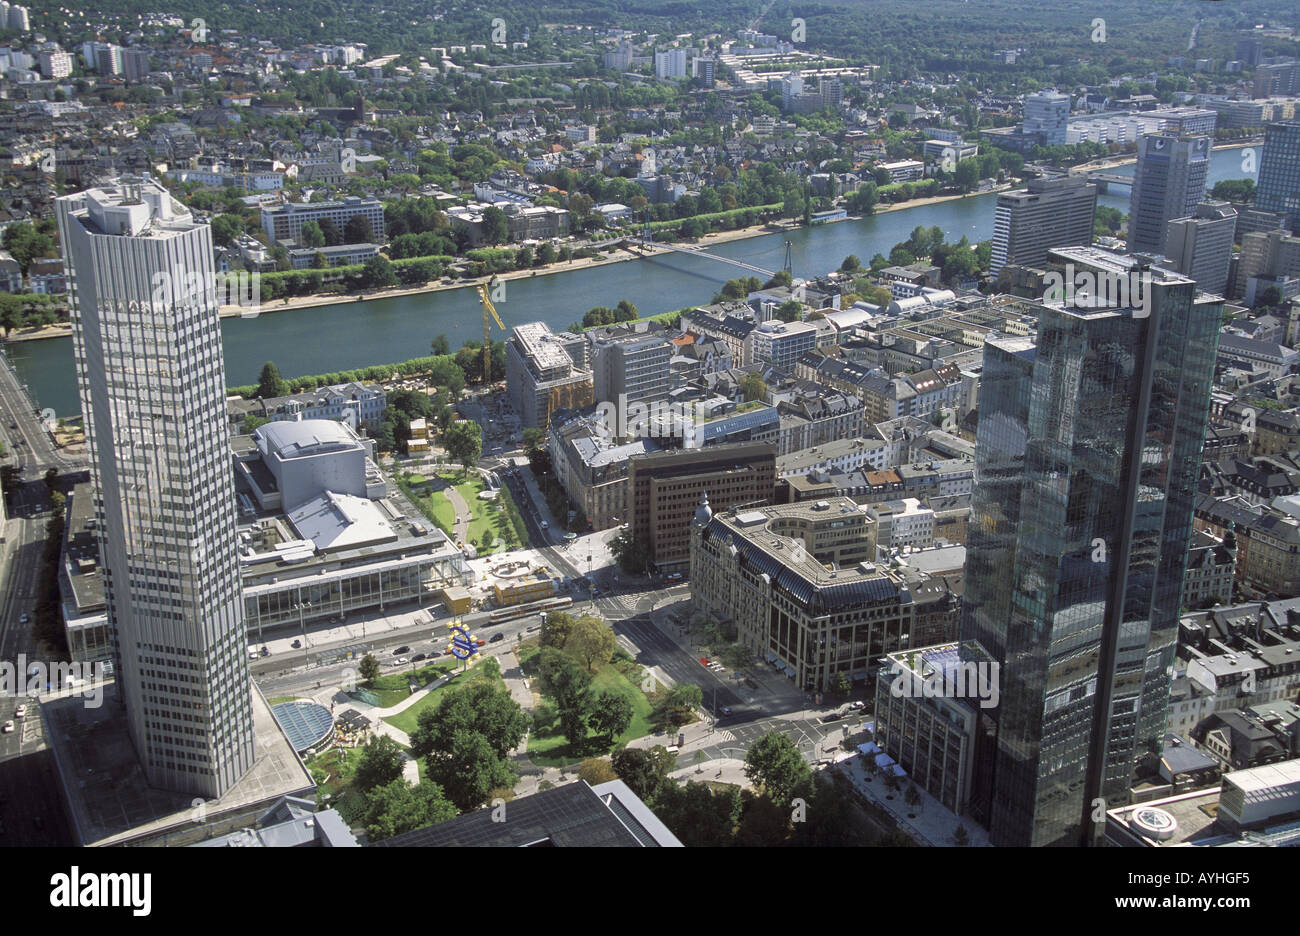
x,y
470,770
790,311
842,686
333,236
596,770
442,346
312,235
496,226
463,441
398,807
555,629
270,383
851,264
763,824
834,819
960,837
591,641
382,760
912,798
357,231
569,686
677,705
753,387
611,713
377,272
699,815
626,311
479,708
775,764
631,553
644,770
369,668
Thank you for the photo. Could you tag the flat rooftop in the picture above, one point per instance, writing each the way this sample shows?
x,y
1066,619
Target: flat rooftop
x,y
110,801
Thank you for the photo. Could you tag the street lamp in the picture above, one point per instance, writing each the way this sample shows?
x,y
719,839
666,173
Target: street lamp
x,y
302,624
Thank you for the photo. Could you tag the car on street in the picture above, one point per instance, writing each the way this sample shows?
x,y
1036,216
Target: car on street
x,y
725,710
495,637
402,649
297,645
418,657
546,525
20,712
570,537
24,619
8,726
481,643
402,661
859,704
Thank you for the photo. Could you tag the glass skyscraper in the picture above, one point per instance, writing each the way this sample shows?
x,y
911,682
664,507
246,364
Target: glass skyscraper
x,y
1087,459
1279,171
147,342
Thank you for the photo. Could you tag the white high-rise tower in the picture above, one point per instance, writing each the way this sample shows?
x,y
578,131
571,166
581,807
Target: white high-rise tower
x,y
147,340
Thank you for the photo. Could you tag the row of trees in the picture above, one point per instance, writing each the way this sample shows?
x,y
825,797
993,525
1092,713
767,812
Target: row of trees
x,y
573,649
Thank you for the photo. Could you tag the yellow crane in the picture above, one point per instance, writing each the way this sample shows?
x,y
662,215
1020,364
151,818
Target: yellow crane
x,y
488,310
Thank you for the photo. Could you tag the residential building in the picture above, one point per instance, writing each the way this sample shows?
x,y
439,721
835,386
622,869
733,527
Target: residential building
x,y
152,385
630,361
1168,183
670,64
1047,213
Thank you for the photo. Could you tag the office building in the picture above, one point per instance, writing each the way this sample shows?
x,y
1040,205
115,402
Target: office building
x,y
1280,79
285,222
630,361
150,375
779,344
1200,247
1047,213
664,488
1168,183
703,69
1047,113
1278,189
1088,456
1268,259
800,585
543,373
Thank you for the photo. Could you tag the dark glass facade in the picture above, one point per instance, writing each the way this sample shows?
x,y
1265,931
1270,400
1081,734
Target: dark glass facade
x,y
1279,170
1086,470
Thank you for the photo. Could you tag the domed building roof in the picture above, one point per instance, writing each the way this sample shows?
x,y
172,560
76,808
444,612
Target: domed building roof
x,y
703,513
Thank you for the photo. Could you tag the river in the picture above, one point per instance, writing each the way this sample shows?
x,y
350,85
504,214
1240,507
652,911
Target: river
x,y
345,336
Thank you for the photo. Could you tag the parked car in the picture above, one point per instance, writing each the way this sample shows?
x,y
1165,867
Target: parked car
x,y
8,726
402,649
402,661
20,712
297,645
481,643
418,657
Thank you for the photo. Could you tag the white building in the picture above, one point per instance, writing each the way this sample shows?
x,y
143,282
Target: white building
x,y
152,385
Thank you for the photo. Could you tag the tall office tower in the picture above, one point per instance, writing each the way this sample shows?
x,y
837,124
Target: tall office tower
x,y
1087,459
1168,183
135,65
1279,171
791,91
1200,247
147,342
1048,213
1048,113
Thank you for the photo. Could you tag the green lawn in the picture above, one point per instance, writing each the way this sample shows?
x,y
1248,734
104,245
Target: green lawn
x,y
486,516
276,700
547,747
408,720
392,687
444,514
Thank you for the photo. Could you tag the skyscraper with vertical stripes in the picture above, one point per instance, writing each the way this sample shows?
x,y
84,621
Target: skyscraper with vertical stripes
x,y
147,344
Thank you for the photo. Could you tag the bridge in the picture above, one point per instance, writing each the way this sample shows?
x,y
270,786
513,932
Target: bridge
x,y
701,252
1105,180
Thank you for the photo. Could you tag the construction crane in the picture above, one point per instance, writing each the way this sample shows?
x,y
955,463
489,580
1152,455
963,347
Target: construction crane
x,y
489,316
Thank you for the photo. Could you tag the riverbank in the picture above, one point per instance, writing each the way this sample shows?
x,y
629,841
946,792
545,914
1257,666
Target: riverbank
x,y
621,255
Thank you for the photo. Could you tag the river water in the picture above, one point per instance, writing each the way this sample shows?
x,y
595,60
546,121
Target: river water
x,y
349,335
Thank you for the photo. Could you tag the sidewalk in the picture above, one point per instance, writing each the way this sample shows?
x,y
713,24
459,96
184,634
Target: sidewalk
x,y
933,824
